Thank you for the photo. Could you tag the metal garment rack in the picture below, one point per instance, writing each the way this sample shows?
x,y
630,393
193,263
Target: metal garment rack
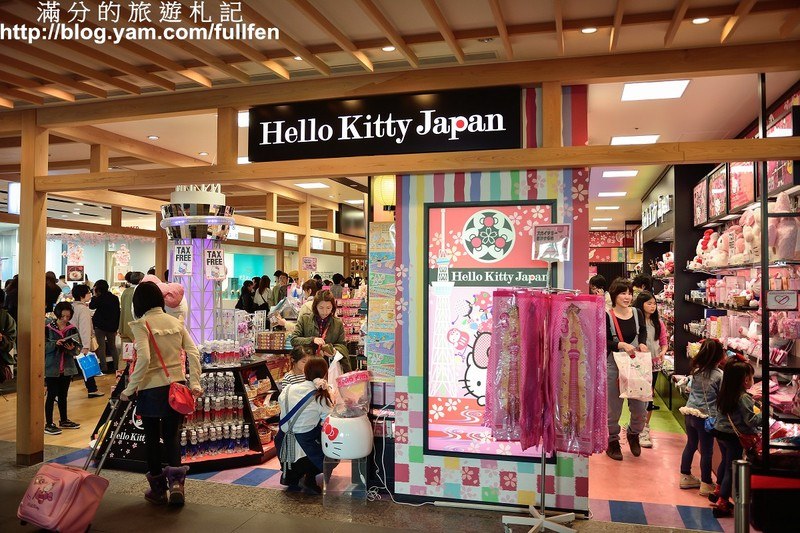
x,y
538,521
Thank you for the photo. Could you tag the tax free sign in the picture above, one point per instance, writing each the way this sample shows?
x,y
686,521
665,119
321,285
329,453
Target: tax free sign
x,y
473,119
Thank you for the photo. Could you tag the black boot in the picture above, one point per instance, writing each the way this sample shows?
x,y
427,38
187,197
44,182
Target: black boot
x,y
614,451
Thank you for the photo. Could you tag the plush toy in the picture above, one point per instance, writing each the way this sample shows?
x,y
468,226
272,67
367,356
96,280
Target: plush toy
x,y
751,231
719,253
785,230
736,236
701,250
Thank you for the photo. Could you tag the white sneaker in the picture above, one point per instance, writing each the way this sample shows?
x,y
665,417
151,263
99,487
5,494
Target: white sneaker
x,y
644,438
689,482
707,488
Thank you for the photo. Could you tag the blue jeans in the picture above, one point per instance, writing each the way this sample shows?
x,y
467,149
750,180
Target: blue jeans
x,y
696,435
731,451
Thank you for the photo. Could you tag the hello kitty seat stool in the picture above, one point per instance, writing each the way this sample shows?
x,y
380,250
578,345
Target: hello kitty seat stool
x,y
347,438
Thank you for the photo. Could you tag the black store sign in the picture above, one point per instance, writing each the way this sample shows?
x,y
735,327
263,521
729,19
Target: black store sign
x,y
473,119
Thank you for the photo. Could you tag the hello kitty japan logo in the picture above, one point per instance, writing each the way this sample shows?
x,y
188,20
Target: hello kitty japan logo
x,y
488,236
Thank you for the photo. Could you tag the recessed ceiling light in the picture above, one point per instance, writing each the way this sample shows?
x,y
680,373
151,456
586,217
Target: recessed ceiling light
x,y
619,194
633,139
242,160
330,196
63,216
602,219
298,58
311,185
607,207
589,30
354,202
153,137
388,48
486,40
243,119
701,20
654,90
620,173
599,227
202,153
79,203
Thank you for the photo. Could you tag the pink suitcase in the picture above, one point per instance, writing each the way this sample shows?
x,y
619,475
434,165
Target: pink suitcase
x,y
64,498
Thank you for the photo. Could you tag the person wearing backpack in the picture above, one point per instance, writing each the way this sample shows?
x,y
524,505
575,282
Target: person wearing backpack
x,y
625,332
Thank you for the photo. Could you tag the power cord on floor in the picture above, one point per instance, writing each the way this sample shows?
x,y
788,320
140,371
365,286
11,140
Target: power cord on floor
x,y
373,493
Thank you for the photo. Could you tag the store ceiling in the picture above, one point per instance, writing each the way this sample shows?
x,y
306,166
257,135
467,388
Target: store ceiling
x,y
543,29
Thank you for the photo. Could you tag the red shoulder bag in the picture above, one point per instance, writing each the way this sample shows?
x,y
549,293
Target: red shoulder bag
x,y
180,397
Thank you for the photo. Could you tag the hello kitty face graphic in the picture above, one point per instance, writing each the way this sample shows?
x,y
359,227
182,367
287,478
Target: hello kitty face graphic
x,y
44,490
477,362
332,445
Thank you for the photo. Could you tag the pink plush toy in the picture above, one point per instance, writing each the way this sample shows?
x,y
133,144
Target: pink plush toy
x,y
737,255
718,254
784,229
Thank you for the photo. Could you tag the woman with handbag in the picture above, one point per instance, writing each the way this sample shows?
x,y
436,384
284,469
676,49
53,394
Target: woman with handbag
x,y
263,294
657,344
737,428
625,332
323,330
158,379
700,412
299,442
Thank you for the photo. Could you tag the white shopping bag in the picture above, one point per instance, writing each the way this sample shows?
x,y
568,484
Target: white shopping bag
x,y
128,351
334,371
635,375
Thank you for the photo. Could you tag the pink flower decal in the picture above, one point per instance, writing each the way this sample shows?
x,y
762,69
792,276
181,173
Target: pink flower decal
x,y
470,476
401,401
401,435
433,475
508,480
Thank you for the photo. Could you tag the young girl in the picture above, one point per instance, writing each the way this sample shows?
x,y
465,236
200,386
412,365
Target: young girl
x,y
735,414
657,345
61,345
300,356
706,379
625,332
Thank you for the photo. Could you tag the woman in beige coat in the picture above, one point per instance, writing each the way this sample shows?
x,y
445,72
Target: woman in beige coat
x,y
154,333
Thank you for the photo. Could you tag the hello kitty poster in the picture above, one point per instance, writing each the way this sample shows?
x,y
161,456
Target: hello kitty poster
x,y
471,251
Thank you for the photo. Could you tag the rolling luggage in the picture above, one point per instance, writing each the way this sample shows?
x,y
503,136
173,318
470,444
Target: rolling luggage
x,y
64,498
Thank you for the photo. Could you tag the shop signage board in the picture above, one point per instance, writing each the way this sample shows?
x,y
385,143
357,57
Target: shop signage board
x,y
782,300
75,273
700,202
309,264
470,119
182,260
551,242
780,174
741,185
718,192
379,347
653,213
214,263
473,250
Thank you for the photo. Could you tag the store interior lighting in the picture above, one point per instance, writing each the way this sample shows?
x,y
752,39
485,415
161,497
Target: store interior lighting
x,y
612,194
654,90
620,173
311,185
607,207
620,140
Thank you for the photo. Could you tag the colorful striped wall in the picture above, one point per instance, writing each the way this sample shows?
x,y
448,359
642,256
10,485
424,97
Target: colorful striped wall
x,y
468,478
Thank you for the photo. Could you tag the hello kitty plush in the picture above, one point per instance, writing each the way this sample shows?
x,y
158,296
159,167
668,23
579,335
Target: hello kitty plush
x,y
719,253
748,221
785,240
736,235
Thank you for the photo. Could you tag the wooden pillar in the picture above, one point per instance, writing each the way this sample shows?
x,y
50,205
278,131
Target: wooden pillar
x,y
303,237
227,136
281,253
257,235
116,217
30,329
551,115
330,224
161,248
346,260
98,158
272,207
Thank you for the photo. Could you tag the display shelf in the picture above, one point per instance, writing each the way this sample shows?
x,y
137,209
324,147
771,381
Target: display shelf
x,y
746,266
219,457
704,303
787,418
792,362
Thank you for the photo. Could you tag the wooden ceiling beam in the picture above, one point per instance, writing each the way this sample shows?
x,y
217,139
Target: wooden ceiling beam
x,y
380,20
16,141
75,164
779,56
675,23
16,94
668,153
7,103
22,66
290,194
615,29
742,9
444,28
203,56
93,53
19,81
502,28
248,51
789,24
11,123
72,66
292,45
126,145
559,19
115,199
341,40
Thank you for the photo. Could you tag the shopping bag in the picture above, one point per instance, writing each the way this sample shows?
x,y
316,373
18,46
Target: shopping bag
x,y
334,371
90,365
635,375
128,351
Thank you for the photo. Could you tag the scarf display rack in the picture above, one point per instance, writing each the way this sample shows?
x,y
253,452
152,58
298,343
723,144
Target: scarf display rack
x,y
539,520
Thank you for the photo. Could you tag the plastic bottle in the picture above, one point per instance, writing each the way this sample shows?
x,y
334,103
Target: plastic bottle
x,y
240,410
246,437
207,411
346,292
226,433
202,445
194,449
184,444
212,440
